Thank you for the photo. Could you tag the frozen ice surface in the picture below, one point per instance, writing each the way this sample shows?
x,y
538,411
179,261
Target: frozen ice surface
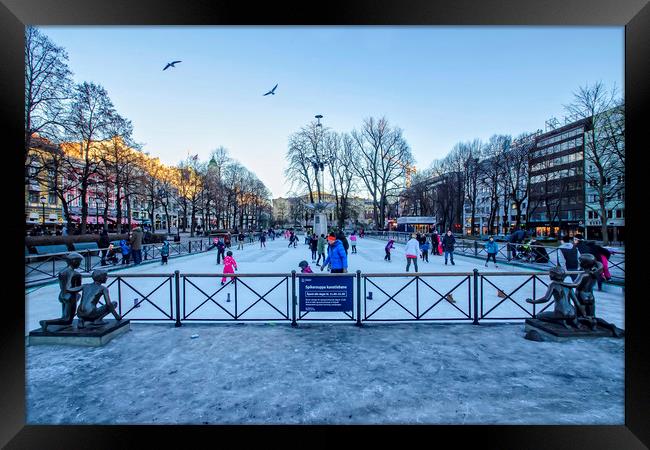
x,y
325,373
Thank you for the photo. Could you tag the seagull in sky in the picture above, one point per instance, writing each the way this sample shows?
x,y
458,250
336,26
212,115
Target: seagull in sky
x,y
272,91
171,64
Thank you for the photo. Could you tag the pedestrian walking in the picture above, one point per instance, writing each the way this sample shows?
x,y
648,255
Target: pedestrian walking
x,y
337,258
229,266
412,251
448,242
388,248
491,248
353,242
136,245
164,252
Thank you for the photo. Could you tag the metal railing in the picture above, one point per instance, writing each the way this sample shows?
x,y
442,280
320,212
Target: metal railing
x,y
44,268
469,297
520,254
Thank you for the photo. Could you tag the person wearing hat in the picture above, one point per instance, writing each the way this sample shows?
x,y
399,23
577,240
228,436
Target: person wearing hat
x,y
412,251
337,258
304,267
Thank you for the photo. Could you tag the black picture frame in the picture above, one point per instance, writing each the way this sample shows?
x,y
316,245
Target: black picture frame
x,y
633,14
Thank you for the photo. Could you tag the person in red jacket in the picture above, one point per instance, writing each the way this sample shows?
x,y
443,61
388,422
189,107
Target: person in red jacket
x,y
229,266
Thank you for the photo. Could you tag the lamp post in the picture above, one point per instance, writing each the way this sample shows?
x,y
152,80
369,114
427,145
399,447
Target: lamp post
x,y
43,200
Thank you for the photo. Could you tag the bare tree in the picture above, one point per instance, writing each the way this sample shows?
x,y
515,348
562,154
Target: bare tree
x,y
340,148
381,153
493,173
47,87
516,162
603,144
87,123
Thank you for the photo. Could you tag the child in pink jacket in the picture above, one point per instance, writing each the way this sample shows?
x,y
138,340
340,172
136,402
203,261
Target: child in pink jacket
x,y
229,266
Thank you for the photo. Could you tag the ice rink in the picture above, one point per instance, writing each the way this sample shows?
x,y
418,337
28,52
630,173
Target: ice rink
x,y
268,298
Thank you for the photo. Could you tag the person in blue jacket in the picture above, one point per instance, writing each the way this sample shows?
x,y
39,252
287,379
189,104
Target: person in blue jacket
x,y
337,258
492,249
126,251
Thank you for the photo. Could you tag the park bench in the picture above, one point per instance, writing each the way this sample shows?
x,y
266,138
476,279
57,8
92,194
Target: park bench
x,y
45,249
86,246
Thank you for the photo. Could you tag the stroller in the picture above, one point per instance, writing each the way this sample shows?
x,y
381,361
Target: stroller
x,y
525,253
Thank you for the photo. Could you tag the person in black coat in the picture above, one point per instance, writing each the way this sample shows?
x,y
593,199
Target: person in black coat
x,y
103,243
341,237
448,241
435,241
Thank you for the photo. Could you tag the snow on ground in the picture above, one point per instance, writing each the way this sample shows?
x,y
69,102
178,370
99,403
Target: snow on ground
x,y
325,372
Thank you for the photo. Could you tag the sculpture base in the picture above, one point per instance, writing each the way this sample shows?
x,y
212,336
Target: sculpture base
x,y
539,330
90,336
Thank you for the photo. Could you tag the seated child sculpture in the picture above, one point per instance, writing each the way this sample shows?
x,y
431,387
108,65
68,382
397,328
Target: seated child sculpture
x,y
69,279
91,293
564,313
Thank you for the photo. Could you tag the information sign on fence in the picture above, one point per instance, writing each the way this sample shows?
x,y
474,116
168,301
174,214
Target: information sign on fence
x,y
325,294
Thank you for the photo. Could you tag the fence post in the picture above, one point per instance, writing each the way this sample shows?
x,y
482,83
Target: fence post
x,y
189,246
293,299
475,248
177,282
201,245
146,251
88,261
475,297
509,256
358,298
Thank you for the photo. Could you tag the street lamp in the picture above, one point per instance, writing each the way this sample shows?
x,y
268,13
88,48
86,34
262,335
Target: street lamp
x,y
43,201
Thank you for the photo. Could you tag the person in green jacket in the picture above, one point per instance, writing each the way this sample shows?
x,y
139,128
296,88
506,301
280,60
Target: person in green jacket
x,y
321,248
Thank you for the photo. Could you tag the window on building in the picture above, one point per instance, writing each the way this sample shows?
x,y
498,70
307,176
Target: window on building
x,y
52,198
34,197
609,213
591,214
619,214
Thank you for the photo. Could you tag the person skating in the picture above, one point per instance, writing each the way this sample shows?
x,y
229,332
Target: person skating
x,y
164,252
425,250
435,242
353,242
221,248
448,242
104,242
341,237
229,266
337,258
126,251
388,248
304,267
570,255
412,252
313,246
240,240
321,248
263,239
491,248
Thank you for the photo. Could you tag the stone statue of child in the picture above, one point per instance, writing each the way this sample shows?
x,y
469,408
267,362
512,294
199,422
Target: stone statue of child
x,y
564,312
586,303
91,293
69,278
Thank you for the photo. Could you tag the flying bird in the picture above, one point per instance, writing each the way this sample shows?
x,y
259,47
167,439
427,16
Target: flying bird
x,y
272,91
171,64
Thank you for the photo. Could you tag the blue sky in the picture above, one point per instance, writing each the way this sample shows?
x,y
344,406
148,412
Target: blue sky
x,y
440,85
